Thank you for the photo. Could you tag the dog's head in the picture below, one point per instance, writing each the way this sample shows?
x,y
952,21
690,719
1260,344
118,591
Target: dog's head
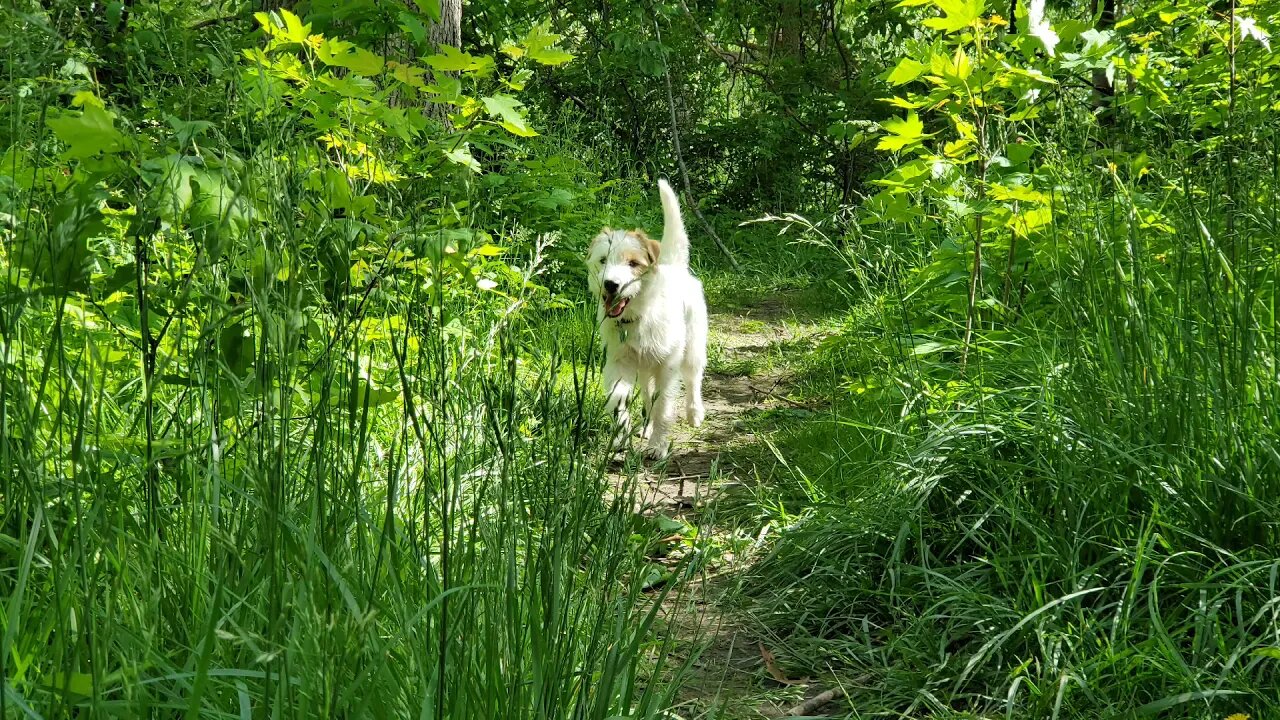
x,y
617,263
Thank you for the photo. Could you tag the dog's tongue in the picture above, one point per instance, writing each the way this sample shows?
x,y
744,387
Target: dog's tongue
x,y
616,309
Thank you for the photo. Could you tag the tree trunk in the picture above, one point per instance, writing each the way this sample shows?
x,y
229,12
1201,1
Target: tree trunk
x,y
790,35
1103,91
449,30
446,32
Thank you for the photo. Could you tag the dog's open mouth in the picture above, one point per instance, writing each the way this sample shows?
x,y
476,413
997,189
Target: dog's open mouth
x,y
614,307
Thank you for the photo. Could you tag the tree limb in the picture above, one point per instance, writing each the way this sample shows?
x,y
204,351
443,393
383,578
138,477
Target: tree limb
x,y
684,170
808,706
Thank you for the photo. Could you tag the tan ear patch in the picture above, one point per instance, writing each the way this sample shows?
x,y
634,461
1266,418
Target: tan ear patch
x,y
639,262
654,249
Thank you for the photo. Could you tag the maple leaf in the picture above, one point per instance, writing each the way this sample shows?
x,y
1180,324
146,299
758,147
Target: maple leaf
x,y
903,132
88,133
959,14
507,110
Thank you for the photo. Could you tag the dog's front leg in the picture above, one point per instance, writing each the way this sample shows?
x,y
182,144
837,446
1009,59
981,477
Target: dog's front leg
x,y
667,381
618,381
646,395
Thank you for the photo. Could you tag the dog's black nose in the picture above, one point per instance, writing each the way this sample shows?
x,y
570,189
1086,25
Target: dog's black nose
x,y
611,287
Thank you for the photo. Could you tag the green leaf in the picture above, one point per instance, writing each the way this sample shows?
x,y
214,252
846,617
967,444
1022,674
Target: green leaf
x,y
462,156
902,132
347,55
1019,153
84,97
75,67
219,214
414,26
540,44
669,524
1016,193
507,110
906,71
351,86
519,79
295,31
890,206
185,194
187,130
283,26
959,14
430,8
929,347
447,87
550,56
451,59
88,133
62,258
904,103
171,191
487,250
237,349
960,67
409,75
76,683
1096,42
512,50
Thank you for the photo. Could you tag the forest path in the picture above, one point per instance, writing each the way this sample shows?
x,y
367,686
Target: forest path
x,y
747,375
753,355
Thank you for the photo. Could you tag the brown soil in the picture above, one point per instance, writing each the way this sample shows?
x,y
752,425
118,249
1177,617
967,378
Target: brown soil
x,y
727,671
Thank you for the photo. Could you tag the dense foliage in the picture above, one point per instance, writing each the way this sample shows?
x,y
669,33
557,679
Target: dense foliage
x,y
297,383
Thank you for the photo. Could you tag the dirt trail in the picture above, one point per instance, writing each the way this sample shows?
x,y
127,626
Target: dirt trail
x,y
747,376
740,381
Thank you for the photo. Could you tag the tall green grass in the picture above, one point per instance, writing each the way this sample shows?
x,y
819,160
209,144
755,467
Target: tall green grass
x,y
245,488
1081,523
308,546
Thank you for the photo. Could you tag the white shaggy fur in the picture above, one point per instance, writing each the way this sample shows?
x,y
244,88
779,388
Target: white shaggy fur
x,y
653,323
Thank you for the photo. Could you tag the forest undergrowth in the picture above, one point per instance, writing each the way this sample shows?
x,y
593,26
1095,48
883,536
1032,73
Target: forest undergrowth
x,y
299,404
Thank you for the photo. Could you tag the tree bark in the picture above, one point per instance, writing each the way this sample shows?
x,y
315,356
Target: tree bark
x,y
446,32
449,30
1103,91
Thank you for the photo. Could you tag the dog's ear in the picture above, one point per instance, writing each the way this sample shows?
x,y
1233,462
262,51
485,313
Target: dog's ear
x,y
652,248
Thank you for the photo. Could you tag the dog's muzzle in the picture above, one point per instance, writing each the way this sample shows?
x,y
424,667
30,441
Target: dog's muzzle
x,y
614,306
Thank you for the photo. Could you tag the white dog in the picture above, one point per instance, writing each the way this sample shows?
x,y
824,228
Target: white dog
x,y
653,322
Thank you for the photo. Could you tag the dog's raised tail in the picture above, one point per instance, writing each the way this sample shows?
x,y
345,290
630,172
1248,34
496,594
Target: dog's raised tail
x,y
675,241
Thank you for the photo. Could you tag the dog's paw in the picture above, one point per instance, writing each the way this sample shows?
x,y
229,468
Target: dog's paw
x,y
620,442
657,450
695,415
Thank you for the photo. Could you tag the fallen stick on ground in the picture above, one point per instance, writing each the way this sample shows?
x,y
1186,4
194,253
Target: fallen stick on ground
x,y
814,703
783,398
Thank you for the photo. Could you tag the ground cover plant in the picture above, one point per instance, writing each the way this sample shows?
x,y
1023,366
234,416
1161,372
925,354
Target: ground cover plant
x,y
299,405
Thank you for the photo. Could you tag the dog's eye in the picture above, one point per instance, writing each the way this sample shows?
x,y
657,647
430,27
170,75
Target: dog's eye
x,y
602,261
633,263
